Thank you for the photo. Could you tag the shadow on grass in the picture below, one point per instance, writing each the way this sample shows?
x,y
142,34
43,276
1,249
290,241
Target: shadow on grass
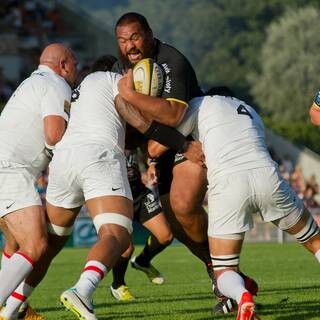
x,y
285,309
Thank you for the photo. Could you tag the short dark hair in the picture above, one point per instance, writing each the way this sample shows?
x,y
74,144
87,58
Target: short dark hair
x,y
131,17
103,63
219,91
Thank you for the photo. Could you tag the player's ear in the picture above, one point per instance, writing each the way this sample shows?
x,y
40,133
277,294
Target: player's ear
x,y
62,65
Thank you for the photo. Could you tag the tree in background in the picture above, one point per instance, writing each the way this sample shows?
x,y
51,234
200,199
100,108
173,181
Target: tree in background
x,y
290,65
222,39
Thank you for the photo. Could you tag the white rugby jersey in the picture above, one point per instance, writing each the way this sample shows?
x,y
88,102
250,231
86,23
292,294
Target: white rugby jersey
x,y
22,139
231,133
94,118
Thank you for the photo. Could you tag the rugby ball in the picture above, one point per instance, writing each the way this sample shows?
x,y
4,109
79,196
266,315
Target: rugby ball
x,y
148,77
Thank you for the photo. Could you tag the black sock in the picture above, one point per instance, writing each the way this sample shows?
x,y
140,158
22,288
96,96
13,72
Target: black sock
x,y
150,250
119,271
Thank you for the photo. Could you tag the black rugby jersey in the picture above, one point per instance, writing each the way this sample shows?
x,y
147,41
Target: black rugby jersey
x,y
181,85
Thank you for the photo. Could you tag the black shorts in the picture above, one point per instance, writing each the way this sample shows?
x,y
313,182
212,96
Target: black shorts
x,y
146,206
165,166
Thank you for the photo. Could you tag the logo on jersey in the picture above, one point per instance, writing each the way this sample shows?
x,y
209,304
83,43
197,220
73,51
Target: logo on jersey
x,y
75,94
167,85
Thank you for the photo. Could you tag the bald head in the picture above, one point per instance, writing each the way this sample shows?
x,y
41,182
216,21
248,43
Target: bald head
x,y
61,60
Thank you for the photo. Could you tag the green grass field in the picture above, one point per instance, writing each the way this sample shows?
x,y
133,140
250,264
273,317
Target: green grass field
x,y
288,276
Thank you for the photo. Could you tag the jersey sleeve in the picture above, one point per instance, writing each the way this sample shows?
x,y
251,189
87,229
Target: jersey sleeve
x,y
56,101
316,100
188,124
115,79
177,80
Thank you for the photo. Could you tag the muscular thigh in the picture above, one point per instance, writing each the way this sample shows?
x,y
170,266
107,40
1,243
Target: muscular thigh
x,y
27,223
146,206
189,184
110,204
17,190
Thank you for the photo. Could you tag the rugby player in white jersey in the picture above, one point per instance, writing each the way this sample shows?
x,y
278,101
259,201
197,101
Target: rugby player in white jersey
x,y
243,179
89,167
32,122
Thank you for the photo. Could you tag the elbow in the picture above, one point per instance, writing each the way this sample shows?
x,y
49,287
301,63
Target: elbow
x,y
314,116
53,138
154,150
175,120
315,122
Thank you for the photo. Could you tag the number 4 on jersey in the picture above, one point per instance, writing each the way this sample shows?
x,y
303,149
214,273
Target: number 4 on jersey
x,y
243,110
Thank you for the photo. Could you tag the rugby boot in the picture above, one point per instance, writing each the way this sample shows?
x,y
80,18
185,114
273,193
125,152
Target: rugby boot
x,y
78,305
122,293
246,307
30,314
152,273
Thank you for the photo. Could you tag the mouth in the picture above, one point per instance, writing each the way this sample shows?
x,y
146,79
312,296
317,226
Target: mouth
x,y
134,56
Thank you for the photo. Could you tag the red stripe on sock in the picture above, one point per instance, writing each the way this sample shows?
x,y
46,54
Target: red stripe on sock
x,y
18,296
25,256
6,254
96,269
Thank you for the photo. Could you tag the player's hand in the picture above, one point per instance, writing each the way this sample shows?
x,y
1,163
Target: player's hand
x,y
195,153
125,85
152,175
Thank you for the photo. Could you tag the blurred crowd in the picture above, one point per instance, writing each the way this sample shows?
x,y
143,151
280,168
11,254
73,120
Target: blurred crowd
x,y
26,26
306,188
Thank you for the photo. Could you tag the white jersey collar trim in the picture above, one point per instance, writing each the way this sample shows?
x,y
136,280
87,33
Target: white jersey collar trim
x,y
43,67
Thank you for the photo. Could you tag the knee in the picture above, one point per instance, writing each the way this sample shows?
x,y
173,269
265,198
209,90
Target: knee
x,y
10,247
165,238
182,205
36,250
128,253
118,233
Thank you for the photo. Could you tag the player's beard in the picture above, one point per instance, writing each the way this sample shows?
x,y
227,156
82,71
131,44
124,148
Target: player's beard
x,y
146,52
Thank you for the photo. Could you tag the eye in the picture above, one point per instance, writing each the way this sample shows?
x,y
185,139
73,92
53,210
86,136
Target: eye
x,y
122,41
135,37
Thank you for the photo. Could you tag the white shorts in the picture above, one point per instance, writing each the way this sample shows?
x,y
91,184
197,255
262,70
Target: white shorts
x,y
17,189
80,174
233,199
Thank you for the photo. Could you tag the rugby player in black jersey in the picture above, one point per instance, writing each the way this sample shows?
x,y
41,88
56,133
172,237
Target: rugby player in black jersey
x,y
182,183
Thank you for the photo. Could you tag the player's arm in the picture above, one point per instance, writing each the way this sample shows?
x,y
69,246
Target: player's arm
x,y
54,128
164,137
193,151
55,105
151,129
314,111
169,112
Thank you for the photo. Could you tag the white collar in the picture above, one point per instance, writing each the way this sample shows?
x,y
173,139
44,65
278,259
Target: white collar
x,y
45,68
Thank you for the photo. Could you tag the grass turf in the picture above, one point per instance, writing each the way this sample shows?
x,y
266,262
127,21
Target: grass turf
x,y
288,277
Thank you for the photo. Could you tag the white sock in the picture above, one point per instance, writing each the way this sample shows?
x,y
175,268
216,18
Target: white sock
x,y
16,299
317,255
4,258
231,285
91,276
15,271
